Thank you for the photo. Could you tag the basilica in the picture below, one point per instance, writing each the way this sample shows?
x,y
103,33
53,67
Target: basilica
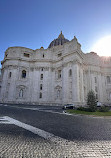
x,y
60,74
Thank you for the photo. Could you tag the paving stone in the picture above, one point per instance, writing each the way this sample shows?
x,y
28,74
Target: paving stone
x,y
12,146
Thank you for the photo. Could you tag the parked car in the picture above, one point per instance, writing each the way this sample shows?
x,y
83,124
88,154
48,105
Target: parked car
x,y
68,106
99,104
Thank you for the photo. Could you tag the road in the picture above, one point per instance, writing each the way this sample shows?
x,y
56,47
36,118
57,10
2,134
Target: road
x,y
47,132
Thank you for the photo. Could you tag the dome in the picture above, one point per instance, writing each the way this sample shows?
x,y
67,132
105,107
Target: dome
x,y
59,41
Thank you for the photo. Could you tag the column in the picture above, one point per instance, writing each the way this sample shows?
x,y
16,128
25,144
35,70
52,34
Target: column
x,y
75,83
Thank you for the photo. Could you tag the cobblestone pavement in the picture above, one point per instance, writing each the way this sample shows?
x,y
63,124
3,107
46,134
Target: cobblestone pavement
x,y
24,145
92,141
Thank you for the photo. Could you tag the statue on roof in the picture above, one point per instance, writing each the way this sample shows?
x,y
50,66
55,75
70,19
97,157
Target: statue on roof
x,y
61,35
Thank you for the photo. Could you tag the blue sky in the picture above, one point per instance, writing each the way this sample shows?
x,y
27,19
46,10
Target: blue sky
x,y
35,23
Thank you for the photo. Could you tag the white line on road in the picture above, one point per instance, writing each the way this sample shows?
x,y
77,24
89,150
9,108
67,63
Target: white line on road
x,y
4,121
41,133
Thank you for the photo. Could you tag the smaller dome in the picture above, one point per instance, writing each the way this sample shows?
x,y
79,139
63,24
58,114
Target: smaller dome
x,y
59,41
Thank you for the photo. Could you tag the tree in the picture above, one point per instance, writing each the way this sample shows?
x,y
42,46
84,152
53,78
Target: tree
x,y
91,100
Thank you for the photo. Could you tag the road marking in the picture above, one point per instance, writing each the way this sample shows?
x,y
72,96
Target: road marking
x,y
4,121
41,133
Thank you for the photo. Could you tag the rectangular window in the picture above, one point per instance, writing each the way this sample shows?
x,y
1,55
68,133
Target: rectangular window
x,y
96,89
41,77
41,86
0,89
96,96
70,95
108,79
40,95
60,54
95,80
10,74
70,73
26,55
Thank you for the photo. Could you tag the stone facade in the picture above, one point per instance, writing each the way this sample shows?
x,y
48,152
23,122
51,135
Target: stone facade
x,y
60,74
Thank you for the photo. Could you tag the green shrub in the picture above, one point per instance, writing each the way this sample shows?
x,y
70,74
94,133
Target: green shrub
x,y
81,108
104,109
91,101
84,109
89,110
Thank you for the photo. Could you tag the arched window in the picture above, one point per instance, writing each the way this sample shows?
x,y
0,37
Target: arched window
x,y
59,74
21,93
10,74
70,73
23,74
58,93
